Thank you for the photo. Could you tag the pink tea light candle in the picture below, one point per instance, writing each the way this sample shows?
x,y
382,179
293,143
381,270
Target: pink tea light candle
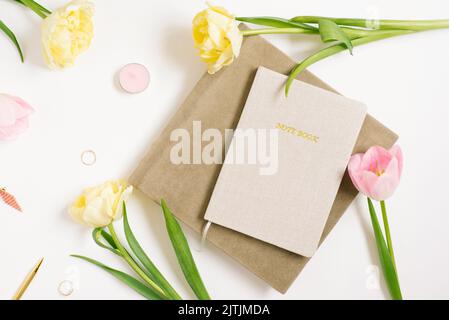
x,y
134,78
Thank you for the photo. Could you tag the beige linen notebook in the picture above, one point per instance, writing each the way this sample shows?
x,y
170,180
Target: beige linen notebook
x,y
285,163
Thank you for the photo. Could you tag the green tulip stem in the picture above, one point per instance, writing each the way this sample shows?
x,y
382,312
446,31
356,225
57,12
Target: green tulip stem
x,y
385,260
254,32
414,25
133,264
387,231
352,33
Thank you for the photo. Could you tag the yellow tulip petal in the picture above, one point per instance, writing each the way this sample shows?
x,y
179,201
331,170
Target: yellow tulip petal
x,y
66,33
216,37
95,214
98,206
236,39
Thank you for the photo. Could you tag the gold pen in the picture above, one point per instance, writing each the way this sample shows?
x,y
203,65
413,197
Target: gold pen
x,y
26,282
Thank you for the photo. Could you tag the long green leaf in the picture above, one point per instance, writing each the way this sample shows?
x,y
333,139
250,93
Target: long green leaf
x,y
99,233
277,23
12,37
145,260
108,238
303,65
330,31
35,7
42,8
334,49
125,278
184,254
384,256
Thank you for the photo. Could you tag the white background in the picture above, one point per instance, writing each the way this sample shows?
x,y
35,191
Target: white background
x,y
404,81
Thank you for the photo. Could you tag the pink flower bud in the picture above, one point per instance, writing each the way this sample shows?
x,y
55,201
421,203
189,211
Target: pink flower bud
x,y
14,113
377,172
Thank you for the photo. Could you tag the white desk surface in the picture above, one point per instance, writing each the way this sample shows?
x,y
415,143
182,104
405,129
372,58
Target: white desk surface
x,y
404,81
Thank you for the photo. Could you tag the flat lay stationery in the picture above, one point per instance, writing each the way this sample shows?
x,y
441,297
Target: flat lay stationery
x,y
288,206
188,187
261,159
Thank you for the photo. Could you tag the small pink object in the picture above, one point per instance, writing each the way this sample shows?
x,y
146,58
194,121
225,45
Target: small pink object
x,y
14,114
134,78
377,172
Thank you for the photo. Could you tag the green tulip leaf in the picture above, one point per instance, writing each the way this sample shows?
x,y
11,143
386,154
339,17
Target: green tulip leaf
x,y
276,23
334,49
330,31
37,5
384,256
156,275
108,238
37,8
300,67
130,281
12,37
184,254
98,234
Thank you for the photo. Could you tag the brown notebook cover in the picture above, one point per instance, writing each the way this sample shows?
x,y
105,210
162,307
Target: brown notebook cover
x,y
217,101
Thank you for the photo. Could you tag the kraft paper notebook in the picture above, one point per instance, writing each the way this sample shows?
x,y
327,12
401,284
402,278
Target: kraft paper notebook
x,y
218,100
285,163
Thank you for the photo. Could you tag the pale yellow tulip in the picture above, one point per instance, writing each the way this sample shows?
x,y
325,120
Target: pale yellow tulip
x,y
217,37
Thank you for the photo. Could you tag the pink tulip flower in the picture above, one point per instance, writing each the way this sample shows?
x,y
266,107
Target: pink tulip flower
x,y
377,172
14,113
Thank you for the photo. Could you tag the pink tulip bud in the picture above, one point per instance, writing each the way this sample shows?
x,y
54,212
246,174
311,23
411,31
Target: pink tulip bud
x,y
14,114
377,172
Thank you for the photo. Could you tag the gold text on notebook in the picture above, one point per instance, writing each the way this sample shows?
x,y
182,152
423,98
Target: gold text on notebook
x,y
299,133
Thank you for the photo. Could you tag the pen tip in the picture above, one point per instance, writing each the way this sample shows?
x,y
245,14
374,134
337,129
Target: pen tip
x,y
38,265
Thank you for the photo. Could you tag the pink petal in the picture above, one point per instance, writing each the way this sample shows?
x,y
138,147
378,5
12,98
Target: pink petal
x,y
7,111
7,137
355,162
385,187
367,182
11,132
354,169
14,113
21,125
376,159
396,152
24,108
393,169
